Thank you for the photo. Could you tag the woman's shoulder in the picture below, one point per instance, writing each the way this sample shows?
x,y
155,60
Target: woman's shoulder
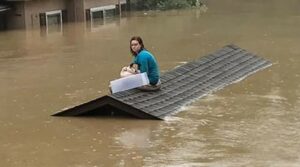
x,y
145,52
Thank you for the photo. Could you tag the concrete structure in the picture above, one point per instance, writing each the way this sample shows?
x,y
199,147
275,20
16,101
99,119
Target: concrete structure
x,y
31,14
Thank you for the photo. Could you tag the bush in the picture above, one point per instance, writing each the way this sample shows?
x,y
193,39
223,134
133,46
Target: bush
x,y
161,4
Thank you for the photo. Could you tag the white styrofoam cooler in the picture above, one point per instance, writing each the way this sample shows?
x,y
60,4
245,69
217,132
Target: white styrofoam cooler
x,y
129,82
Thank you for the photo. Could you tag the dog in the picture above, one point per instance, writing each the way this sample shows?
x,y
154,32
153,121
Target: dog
x,y
132,69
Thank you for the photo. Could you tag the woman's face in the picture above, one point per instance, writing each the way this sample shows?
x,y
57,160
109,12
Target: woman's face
x,y
135,46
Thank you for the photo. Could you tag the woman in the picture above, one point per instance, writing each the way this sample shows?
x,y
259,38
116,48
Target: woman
x,y
146,63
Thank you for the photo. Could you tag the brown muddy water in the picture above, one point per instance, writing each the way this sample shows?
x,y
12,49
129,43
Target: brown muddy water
x,y
255,122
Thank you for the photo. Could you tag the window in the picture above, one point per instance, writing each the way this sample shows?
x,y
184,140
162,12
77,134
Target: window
x,y
110,13
101,15
97,18
52,21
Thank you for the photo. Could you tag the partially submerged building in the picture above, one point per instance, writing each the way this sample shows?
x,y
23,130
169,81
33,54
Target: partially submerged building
x,y
3,16
31,14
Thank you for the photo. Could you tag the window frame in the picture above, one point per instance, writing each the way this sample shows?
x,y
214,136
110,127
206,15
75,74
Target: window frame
x,y
54,12
99,9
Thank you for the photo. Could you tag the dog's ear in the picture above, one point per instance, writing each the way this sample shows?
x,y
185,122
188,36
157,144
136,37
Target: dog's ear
x,y
135,66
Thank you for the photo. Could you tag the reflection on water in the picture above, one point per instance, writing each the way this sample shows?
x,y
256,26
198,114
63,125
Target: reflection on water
x,y
108,23
252,123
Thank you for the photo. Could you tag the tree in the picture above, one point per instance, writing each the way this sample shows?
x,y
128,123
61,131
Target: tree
x,y
162,4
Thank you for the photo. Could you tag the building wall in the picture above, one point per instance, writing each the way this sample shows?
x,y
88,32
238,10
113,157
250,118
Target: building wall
x,y
16,16
3,22
26,14
35,7
75,10
79,12
96,3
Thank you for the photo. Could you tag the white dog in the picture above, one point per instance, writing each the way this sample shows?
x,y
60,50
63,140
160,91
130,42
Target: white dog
x,y
132,69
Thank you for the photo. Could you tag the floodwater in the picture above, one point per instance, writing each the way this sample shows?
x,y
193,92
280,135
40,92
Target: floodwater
x,y
255,122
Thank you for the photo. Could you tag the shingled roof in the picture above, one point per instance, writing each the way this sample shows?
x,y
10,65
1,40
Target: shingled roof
x,y
180,86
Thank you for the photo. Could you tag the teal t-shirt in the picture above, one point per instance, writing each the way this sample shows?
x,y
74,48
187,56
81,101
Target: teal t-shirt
x,y
147,63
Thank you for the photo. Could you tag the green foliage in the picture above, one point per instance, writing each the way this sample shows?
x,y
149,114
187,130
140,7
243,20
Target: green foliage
x,y
161,4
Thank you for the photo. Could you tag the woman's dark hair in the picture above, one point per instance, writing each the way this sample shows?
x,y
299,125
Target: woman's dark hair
x,y
139,39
